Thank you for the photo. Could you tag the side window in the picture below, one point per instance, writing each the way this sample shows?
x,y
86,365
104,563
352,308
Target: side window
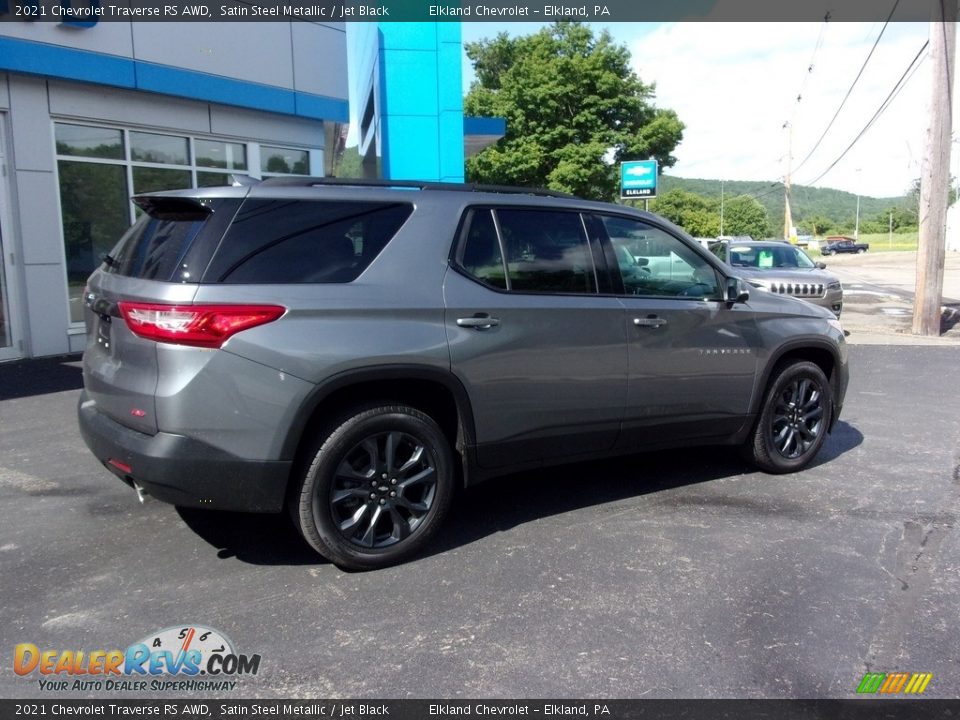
x,y
720,250
304,241
653,262
546,251
480,255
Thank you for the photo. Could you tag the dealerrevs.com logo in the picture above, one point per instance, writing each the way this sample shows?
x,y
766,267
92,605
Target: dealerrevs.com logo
x,y
180,659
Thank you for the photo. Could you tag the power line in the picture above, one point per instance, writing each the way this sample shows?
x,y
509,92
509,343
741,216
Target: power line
x,y
777,187
852,86
883,106
756,190
810,65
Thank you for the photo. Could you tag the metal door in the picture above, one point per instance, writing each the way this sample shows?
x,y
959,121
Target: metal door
x,y
545,367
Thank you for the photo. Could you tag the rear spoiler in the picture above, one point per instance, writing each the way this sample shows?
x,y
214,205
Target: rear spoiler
x,y
173,208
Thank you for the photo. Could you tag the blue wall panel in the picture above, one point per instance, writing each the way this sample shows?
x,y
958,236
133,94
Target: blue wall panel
x,y
451,144
412,148
411,87
421,103
55,61
70,64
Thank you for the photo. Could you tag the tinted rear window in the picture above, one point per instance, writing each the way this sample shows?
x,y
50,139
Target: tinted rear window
x,y
173,241
304,241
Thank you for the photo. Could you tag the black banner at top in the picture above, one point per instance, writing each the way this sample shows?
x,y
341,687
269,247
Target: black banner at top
x,y
80,12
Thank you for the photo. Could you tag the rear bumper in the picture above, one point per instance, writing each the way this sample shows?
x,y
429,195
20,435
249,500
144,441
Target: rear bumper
x,y
181,470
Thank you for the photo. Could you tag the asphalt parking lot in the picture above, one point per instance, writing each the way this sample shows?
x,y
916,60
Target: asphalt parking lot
x,y
675,574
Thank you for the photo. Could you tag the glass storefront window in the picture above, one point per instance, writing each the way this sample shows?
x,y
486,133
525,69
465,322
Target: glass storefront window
x,y
284,161
210,179
85,141
167,149
149,179
216,154
101,167
94,204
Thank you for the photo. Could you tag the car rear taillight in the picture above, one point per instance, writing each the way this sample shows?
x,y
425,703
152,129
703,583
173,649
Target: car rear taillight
x,y
207,326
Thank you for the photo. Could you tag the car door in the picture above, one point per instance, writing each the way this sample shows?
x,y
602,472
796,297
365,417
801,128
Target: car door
x,y
692,356
541,353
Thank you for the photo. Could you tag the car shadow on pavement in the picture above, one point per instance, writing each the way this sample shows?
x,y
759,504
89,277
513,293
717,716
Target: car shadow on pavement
x,y
26,378
252,538
844,438
502,503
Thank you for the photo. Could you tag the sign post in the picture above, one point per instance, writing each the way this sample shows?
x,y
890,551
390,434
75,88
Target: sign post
x,y
638,180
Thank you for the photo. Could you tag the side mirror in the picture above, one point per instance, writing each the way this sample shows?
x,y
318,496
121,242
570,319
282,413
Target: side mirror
x,y
737,291
821,265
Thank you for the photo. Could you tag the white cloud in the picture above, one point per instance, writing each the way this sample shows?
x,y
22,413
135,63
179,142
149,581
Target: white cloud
x,y
735,84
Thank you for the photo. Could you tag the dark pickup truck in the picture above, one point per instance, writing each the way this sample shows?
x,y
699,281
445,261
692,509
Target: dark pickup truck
x,y
843,245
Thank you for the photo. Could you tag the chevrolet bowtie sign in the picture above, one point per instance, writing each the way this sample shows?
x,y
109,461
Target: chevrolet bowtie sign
x,y
638,179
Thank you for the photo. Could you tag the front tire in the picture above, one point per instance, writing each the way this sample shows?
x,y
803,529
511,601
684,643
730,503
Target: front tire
x,y
377,489
796,414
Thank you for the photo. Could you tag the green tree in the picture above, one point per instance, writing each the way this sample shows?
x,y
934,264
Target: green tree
x,y
574,109
351,165
744,215
901,217
698,215
818,225
913,193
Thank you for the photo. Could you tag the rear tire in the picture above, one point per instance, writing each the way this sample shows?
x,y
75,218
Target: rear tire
x,y
796,413
378,487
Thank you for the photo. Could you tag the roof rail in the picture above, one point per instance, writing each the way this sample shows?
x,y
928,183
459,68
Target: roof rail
x,y
299,181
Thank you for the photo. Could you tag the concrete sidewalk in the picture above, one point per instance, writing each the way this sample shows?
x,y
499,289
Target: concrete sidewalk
x,y
878,292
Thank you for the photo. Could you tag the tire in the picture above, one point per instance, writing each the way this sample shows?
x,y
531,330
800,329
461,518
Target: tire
x,y
860,251
377,489
786,438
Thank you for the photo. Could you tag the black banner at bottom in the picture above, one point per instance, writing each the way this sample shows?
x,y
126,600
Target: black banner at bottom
x,y
442,709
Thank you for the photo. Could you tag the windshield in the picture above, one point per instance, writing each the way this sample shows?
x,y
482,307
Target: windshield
x,y
765,257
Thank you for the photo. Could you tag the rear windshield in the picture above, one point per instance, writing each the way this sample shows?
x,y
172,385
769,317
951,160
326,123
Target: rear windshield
x,y
304,241
173,241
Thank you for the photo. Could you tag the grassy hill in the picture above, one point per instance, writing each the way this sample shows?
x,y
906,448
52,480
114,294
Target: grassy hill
x,y
805,202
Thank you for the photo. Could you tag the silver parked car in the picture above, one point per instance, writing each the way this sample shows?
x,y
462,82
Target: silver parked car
x,y
353,352
782,268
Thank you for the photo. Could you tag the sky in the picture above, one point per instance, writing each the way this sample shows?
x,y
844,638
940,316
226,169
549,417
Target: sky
x,y
735,86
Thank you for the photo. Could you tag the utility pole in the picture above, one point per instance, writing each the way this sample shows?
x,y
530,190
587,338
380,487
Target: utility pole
x,y
721,208
935,172
856,229
787,215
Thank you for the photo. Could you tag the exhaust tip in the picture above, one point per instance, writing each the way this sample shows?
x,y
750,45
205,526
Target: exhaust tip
x,y
140,490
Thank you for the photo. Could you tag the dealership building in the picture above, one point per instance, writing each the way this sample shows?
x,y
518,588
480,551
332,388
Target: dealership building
x,y
93,113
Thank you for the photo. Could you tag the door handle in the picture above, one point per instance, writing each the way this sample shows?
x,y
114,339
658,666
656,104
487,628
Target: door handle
x,y
478,322
653,322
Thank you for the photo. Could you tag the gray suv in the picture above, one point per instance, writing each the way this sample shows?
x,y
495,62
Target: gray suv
x,y
354,352
780,267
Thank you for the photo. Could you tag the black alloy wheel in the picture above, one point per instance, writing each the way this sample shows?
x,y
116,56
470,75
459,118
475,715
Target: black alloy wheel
x,y
794,419
379,486
382,490
797,418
